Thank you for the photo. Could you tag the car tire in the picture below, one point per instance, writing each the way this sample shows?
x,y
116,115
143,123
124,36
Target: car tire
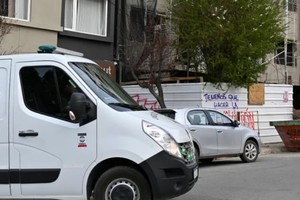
x,y
122,182
250,152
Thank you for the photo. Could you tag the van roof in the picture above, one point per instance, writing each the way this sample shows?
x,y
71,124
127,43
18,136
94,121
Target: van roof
x,y
44,57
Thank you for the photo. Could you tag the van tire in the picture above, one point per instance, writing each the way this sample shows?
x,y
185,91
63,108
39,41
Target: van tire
x,y
122,182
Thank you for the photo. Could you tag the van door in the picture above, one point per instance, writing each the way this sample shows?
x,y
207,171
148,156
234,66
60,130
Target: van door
x,y
53,151
4,161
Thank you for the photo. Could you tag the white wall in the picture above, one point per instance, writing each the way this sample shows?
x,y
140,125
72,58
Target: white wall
x,y
278,103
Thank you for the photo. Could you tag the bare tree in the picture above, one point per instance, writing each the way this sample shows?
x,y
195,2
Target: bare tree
x,y
5,28
149,61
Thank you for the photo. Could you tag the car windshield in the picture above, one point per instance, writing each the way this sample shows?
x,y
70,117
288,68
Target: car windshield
x,y
105,88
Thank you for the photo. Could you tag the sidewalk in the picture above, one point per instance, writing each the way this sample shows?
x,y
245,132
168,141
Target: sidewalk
x,y
273,148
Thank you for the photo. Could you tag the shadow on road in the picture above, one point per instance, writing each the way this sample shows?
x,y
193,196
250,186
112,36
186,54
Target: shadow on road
x,y
220,163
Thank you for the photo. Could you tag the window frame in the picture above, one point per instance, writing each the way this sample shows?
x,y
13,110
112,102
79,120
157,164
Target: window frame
x,y
292,5
291,57
74,20
230,121
16,18
198,113
57,90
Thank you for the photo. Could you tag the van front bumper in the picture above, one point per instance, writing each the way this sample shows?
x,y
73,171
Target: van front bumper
x,y
169,176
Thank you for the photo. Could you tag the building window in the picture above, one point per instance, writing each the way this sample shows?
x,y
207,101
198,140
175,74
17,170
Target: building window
x,y
18,9
137,24
292,5
291,54
86,16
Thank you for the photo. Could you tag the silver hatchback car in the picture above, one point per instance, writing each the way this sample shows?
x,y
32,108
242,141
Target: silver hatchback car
x,y
217,135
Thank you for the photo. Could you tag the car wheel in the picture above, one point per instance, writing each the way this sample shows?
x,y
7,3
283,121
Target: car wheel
x,y
122,183
206,160
250,152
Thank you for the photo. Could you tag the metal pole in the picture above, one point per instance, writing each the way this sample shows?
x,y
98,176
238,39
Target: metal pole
x,y
285,42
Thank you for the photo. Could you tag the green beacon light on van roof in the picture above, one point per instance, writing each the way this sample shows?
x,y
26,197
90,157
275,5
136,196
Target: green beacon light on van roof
x,y
46,49
58,50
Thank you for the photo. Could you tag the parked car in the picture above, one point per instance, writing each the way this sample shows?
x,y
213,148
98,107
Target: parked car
x,y
217,135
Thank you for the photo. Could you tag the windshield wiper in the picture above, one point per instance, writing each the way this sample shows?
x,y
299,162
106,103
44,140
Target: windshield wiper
x,y
128,106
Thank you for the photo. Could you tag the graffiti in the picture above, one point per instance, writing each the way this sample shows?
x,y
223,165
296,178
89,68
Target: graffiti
x,y
285,97
222,100
220,96
152,105
232,105
246,117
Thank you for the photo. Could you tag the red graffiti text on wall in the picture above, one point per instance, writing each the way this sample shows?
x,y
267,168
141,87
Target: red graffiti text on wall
x,y
245,117
152,105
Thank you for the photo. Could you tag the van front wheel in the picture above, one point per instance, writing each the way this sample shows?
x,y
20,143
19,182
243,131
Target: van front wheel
x,y
122,183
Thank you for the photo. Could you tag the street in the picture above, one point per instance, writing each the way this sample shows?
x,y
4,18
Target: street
x,y
272,176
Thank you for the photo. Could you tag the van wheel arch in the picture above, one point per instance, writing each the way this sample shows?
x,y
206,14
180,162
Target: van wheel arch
x,y
197,151
122,182
104,166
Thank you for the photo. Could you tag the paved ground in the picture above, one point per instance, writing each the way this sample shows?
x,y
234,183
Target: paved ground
x,y
272,177
273,148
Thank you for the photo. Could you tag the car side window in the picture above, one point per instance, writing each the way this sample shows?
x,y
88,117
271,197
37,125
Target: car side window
x,y
197,118
219,118
47,90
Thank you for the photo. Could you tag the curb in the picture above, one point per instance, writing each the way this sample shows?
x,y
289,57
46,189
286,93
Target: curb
x,y
273,148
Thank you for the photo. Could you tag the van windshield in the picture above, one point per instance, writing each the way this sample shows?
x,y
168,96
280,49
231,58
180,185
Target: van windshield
x,y
105,88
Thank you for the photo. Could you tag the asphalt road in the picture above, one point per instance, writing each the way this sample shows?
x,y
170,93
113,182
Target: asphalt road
x,y
271,177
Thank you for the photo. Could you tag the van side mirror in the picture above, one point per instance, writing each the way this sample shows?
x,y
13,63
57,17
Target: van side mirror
x,y
78,106
236,123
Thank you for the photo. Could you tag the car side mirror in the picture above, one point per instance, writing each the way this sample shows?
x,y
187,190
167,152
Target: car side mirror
x,y
236,123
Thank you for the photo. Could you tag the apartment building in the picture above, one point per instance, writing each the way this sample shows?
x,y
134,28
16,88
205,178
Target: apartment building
x,y
83,26
284,63
93,28
279,70
36,22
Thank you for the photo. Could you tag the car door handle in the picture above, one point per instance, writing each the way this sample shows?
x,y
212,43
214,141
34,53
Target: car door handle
x,y
219,131
192,129
28,133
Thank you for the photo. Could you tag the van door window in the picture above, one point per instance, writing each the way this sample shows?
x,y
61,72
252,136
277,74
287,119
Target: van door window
x,y
47,90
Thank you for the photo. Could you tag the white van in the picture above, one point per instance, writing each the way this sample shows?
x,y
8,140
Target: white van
x,y
67,131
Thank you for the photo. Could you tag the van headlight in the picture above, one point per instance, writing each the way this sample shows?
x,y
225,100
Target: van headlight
x,y
163,138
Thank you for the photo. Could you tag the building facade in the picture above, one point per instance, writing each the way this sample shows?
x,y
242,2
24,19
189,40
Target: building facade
x,y
35,23
284,63
279,69
96,28
83,26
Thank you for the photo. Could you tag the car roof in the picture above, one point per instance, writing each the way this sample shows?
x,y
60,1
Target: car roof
x,y
170,110
191,108
179,113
